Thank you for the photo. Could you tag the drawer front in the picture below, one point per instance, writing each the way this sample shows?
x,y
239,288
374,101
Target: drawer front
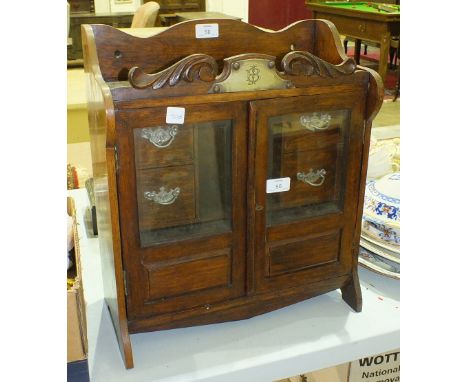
x,y
303,253
313,177
313,131
186,276
161,146
166,197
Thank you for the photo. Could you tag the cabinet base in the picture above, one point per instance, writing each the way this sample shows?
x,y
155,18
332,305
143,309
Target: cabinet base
x,y
247,306
351,292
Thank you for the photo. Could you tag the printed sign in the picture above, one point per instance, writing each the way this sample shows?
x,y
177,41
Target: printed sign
x,y
207,30
383,367
175,115
278,185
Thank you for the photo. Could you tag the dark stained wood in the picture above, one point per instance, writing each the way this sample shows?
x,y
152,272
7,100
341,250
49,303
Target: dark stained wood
x,y
293,255
351,292
299,62
202,66
237,262
237,309
179,42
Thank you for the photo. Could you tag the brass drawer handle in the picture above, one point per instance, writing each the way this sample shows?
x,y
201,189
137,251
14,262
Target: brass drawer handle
x,y
316,121
313,177
160,137
163,197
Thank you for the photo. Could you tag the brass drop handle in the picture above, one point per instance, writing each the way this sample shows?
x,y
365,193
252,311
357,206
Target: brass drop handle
x,y
314,178
159,136
315,121
163,197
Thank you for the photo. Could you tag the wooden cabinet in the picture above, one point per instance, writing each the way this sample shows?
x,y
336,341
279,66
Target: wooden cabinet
x,y
246,200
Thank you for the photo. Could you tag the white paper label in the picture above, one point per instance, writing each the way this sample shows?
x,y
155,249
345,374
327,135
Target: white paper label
x,y
377,368
206,30
278,185
175,115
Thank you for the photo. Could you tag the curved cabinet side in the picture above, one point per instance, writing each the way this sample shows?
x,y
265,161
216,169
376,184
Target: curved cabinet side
x,y
351,292
102,133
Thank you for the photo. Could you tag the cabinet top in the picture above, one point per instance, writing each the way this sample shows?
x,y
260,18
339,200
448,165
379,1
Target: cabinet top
x,y
209,57
114,52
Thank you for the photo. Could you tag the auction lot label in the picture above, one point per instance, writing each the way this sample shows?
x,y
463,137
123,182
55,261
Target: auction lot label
x,y
383,367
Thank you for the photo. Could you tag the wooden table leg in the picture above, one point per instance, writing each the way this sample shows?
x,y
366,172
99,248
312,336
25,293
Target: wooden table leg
x,y
357,51
384,51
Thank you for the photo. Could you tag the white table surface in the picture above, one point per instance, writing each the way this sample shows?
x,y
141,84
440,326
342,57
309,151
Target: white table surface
x,y
317,333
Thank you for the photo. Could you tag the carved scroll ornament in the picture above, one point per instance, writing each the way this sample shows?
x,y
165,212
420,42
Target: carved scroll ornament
x,y
201,66
305,63
258,69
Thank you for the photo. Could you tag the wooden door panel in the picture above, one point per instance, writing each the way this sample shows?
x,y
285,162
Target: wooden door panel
x,y
304,235
186,249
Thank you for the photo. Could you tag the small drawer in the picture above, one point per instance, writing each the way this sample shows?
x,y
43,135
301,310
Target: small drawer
x,y
166,197
300,254
185,276
161,146
314,177
309,131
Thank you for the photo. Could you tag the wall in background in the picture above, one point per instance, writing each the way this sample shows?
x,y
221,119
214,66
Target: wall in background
x,y
116,5
239,8
101,6
277,14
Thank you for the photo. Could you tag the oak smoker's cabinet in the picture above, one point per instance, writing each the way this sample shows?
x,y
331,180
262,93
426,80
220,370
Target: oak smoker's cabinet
x,y
247,196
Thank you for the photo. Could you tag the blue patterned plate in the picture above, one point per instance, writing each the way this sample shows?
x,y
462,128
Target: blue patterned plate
x,y
382,199
381,215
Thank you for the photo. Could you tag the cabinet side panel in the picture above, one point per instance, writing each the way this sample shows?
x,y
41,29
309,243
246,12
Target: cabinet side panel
x,y
101,122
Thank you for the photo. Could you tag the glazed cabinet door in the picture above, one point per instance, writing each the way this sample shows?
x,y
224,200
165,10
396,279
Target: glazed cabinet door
x,y
182,202
306,170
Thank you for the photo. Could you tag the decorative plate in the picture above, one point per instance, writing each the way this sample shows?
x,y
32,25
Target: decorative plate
x,y
395,249
381,215
378,264
378,250
380,230
382,199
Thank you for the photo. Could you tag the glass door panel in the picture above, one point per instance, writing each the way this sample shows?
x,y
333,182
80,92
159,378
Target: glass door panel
x,y
307,150
183,175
